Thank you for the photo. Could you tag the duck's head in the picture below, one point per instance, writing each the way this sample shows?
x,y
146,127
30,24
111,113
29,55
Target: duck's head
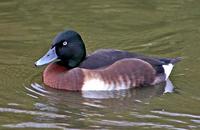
x,y
68,47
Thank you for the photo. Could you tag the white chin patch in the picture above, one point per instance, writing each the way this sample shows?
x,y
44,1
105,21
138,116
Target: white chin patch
x,y
167,69
47,58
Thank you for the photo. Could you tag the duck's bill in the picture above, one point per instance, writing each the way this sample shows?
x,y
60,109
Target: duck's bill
x,y
47,58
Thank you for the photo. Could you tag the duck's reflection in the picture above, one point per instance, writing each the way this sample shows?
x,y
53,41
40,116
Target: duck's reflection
x,y
149,91
145,92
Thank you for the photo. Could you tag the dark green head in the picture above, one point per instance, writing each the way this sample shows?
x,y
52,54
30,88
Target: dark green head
x,y
67,46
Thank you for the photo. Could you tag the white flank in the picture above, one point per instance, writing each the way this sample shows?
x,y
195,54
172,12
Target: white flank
x,y
168,68
100,85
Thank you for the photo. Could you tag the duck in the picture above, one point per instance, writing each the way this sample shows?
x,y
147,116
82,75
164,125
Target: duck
x,y
70,68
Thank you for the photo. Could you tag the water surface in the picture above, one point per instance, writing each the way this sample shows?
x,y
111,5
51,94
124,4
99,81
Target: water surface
x,y
154,27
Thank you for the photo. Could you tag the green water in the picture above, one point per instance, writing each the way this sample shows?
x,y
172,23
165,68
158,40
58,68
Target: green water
x,y
154,27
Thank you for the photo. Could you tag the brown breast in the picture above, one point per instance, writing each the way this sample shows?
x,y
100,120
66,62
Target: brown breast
x,y
59,77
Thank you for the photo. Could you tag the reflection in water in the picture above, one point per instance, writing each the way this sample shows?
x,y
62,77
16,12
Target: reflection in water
x,y
112,100
118,94
168,87
139,92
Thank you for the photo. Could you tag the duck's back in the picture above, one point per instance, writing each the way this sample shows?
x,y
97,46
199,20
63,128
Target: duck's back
x,y
105,57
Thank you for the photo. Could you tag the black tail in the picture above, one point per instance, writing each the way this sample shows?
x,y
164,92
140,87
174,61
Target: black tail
x,y
170,60
175,60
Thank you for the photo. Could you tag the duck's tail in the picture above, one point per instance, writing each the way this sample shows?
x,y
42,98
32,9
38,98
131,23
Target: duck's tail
x,y
172,61
169,66
175,60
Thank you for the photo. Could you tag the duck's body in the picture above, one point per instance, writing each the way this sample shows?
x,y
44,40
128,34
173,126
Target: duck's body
x,y
104,70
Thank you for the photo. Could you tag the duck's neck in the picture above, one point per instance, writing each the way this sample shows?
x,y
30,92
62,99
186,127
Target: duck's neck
x,y
72,62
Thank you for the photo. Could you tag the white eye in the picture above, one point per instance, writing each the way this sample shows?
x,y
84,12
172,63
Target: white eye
x,y
65,43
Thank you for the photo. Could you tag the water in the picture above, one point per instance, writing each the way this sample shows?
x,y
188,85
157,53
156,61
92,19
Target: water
x,y
154,27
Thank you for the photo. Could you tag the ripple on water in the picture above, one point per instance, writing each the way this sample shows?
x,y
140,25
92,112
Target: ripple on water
x,y
136,124
38,125
173,114
38,90
35,113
